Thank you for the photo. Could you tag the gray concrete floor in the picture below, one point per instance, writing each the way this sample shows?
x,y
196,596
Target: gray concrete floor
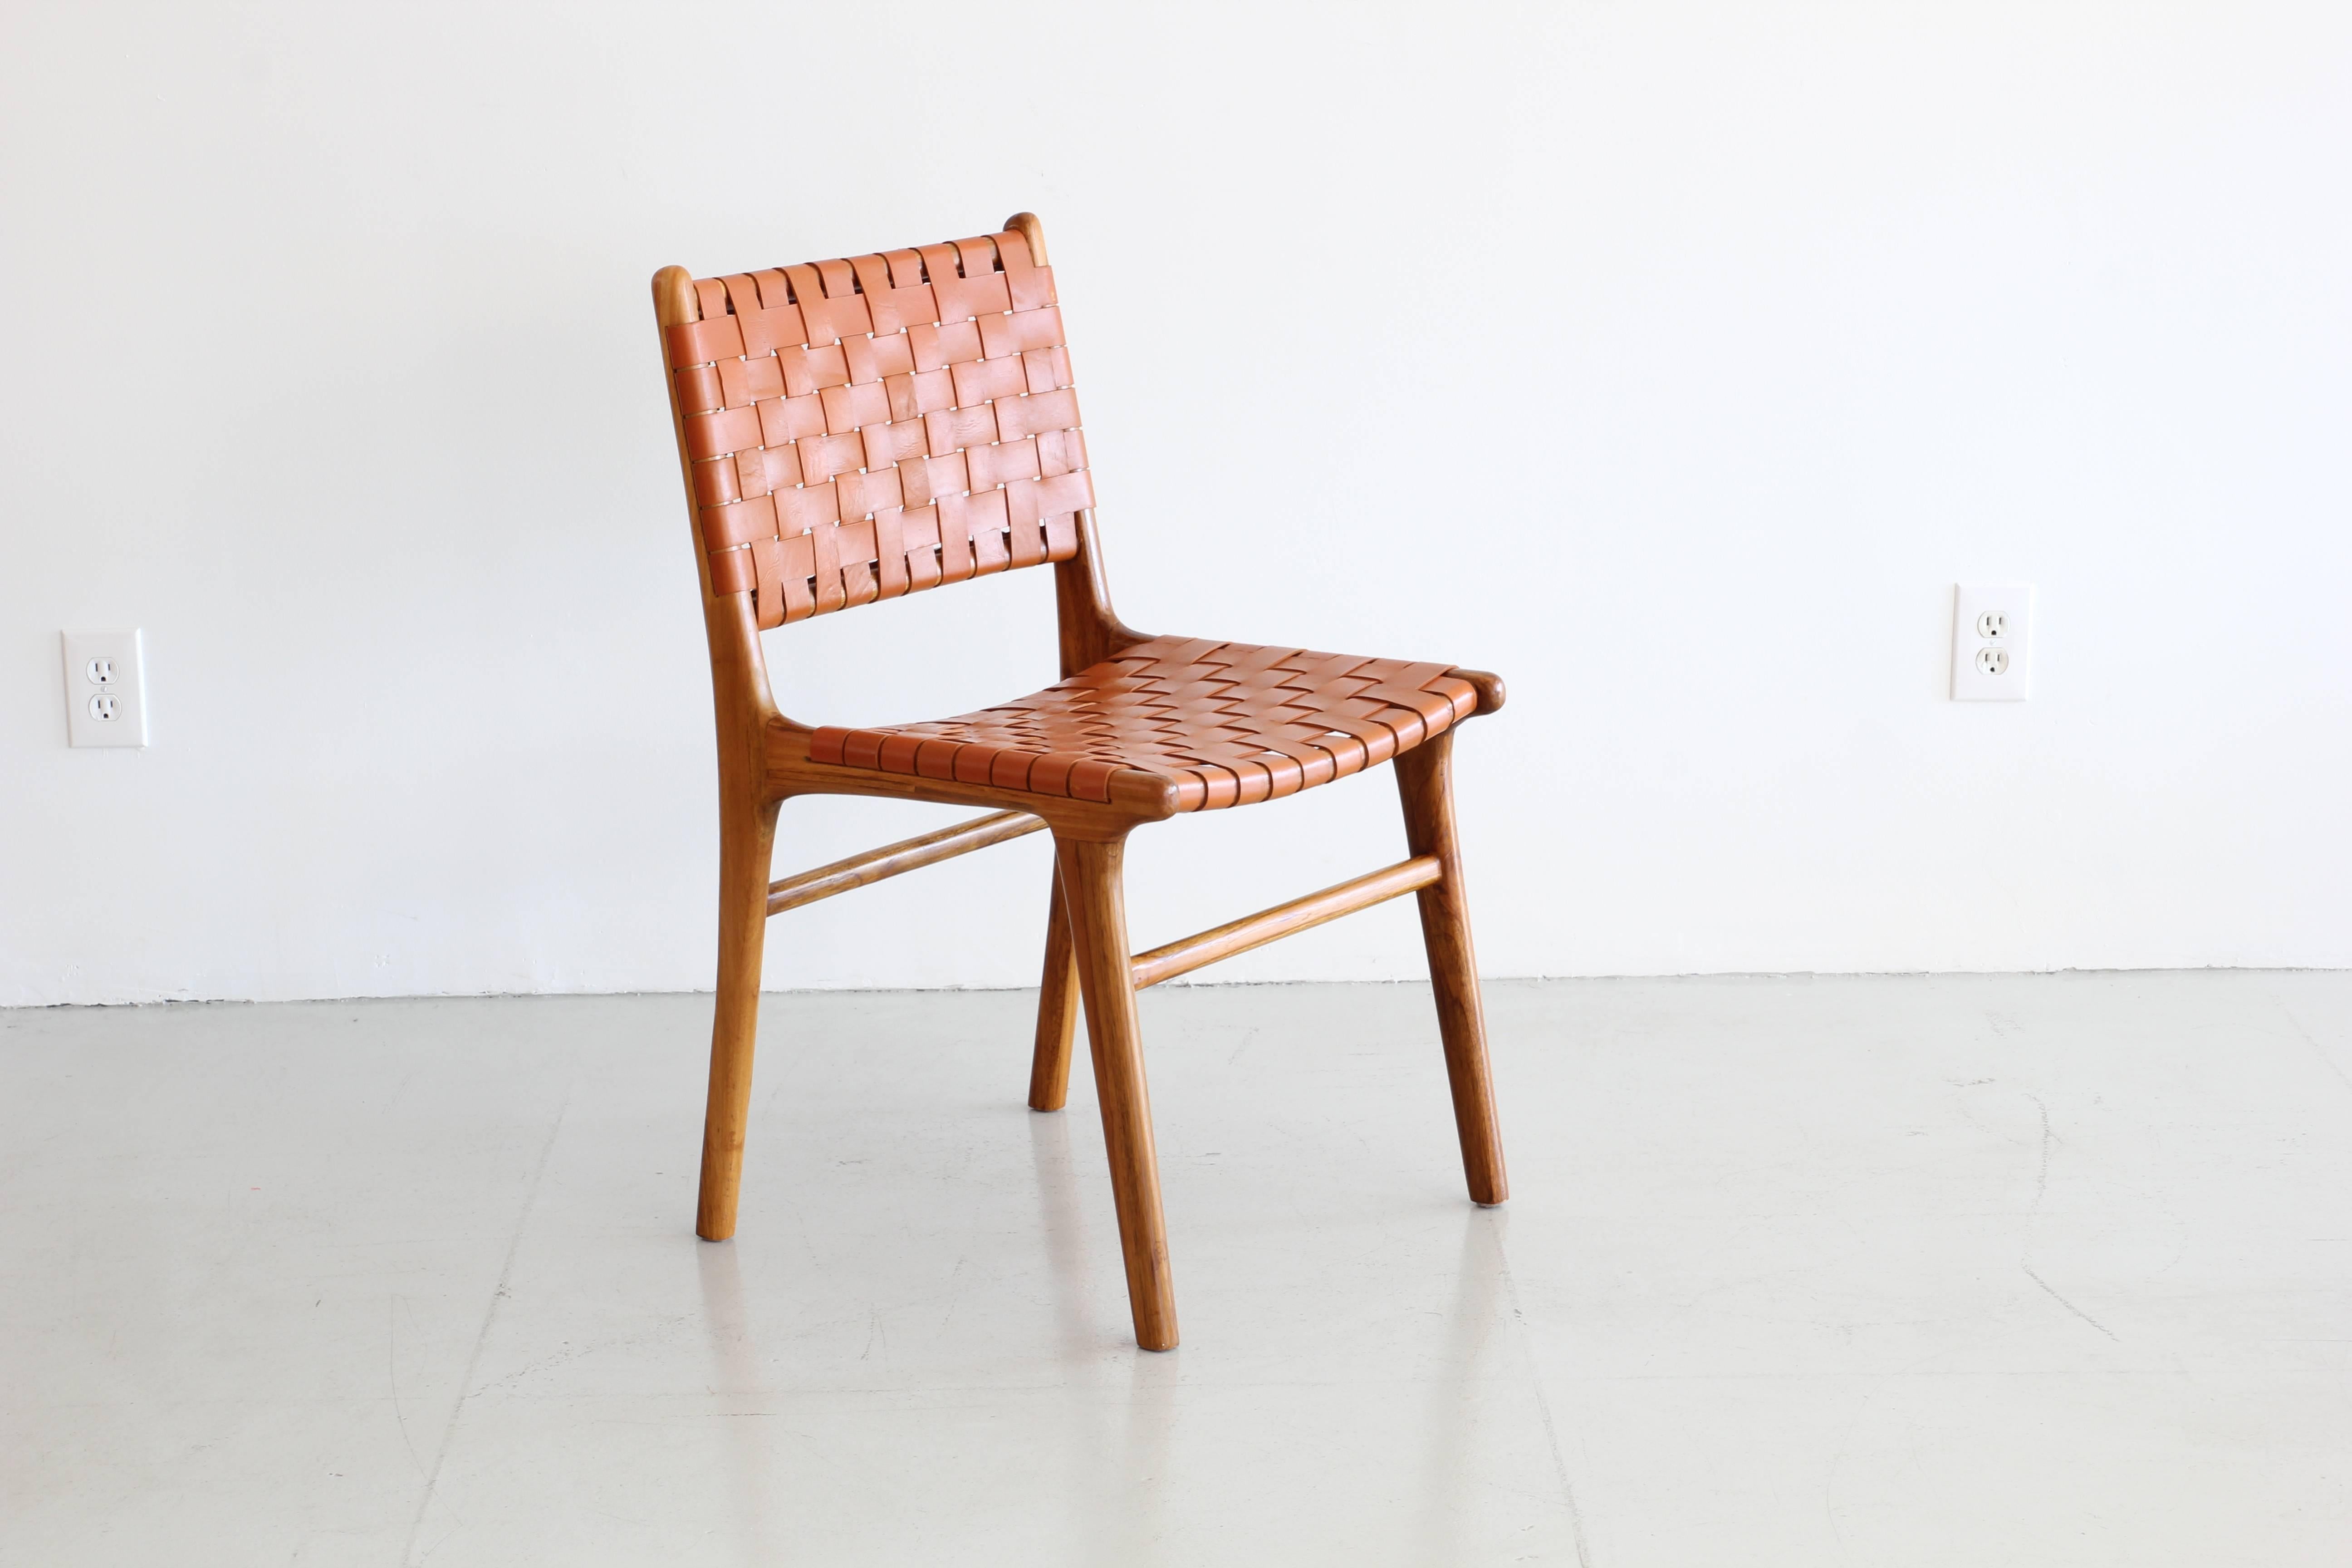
x,y
2046,1269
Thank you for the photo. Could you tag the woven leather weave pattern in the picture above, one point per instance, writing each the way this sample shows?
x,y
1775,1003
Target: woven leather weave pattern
x,y
864,428
1230,723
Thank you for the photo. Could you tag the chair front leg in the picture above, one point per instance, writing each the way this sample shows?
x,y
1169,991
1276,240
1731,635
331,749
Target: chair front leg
x,y
1425,783
1057,1010
747,837
1097,908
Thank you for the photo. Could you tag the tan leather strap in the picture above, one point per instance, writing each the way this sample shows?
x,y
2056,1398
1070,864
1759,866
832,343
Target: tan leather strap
x,y
1228,722
867,427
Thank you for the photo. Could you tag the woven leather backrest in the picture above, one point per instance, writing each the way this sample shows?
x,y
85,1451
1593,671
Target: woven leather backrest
x,y
862,428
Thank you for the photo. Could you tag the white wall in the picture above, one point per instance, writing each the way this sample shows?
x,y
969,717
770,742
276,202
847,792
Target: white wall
x,y
1672,360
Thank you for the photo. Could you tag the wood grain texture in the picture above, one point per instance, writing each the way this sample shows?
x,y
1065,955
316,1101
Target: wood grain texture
x,y
1091,629
1425,783
747,840
1091,878
1027,226
1487,684
895,859
1057,1011
1191,952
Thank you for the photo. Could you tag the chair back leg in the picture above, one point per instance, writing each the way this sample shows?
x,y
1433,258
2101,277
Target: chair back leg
x,y
747,836
1096,905
1425,783
1057,1011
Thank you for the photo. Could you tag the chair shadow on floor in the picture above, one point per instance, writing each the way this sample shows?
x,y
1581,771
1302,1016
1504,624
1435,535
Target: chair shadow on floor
x,y
1128,1438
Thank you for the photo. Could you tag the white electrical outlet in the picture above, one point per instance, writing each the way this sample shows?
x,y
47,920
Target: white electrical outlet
x,y
106,689
1992,642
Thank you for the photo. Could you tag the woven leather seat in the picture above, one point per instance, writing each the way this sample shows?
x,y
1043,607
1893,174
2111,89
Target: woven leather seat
x,y
877,426
1226,723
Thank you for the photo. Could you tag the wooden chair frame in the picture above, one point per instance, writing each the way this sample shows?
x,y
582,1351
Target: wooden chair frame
x,y
764,761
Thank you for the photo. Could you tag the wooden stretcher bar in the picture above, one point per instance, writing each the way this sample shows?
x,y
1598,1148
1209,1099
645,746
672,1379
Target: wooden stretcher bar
x,y
907,855
1284,919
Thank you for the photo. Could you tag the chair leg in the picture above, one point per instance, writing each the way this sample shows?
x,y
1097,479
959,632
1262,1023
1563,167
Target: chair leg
x,y
1425,782
1089,877
1057,1011
747,837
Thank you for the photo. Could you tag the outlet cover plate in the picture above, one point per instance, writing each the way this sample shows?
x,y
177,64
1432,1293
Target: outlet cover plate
x,y
103,665
1992,615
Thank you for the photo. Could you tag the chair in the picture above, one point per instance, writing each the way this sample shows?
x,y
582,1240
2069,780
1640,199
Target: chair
x,y
859,429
